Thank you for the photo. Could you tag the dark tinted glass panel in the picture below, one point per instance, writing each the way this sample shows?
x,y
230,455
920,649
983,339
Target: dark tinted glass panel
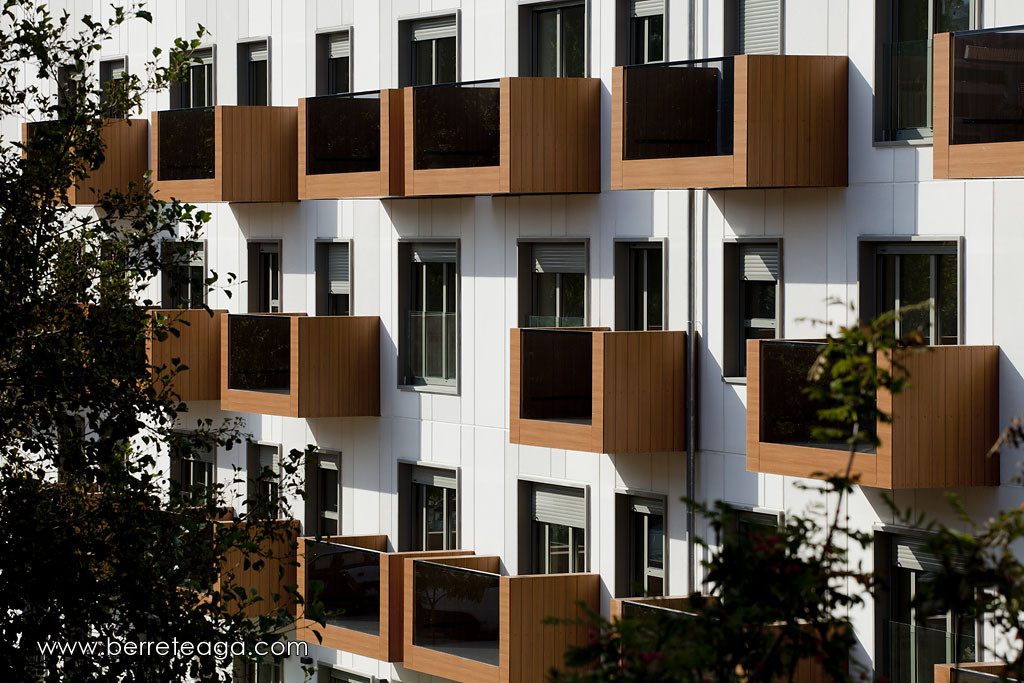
x,y
186,144
946,306
456,126
455,611
343,134
446,60
546,43
337,76
574,51
556,376
646,39
988,88
788,415
258,83
259,353
759,299
350,580
682,109
423,55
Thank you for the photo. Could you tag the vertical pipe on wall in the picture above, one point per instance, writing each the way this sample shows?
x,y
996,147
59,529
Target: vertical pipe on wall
x,y
691,346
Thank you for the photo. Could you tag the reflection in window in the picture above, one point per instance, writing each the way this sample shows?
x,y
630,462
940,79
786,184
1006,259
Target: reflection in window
x,y
559,41
434,57
431,345
559,529
646,31
183,279
645,286
925,276
197,89
558,283
647,546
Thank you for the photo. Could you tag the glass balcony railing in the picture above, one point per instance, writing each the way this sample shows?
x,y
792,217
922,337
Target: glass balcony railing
x,y
555,321
456,125
788,415
348,579
456,611
433,344
915,650
186,144
259,353
679,109
556,379
343,133
987,83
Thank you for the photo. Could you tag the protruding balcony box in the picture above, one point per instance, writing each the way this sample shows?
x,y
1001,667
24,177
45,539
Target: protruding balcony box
x,y
465,622
197,345
505,136
588,389
743,121
277,555
298,366
977,104
226,154
362,587
126,158
944,422
351,145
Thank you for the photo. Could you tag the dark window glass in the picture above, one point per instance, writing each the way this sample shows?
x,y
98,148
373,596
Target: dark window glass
x,y
456,611
343,134
647,39
445,60
337,76
259,353
559,41
350,585
432,344
645,288
327,497
258,83
434,518
988,100
559,549
457,126
922,279
557,376
184,275
186,144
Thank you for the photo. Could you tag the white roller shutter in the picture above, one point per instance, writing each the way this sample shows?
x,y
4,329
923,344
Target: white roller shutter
x,y
760,27
910,553
760,262
338,268
559,258
431,29
116,69
258,52
434,252
434,476
559,505
649,506
270,457
648,8
338,45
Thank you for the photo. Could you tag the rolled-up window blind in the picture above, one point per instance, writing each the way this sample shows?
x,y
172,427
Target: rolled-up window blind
x,y
338,268
559,505
434,252
430,29
760,27
559,258
434,476
338,45
648,8
760,262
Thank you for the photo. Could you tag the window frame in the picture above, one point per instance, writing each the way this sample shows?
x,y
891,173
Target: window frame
x,y
165,292
629,18
322,38
209,62
625,500
253,285
314,499
245,87
526,276
527,527
734,328
623,249
105,76
322,283
179,465
407,502
252,459
532,10
405,74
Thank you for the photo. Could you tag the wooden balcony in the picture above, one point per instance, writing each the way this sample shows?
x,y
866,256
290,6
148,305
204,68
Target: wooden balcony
x,y
351,145
943,423
972,672
197,346
743,121
226,154
506,136
126,158
600,391
363,593
263,572
298,366
465,622
977,104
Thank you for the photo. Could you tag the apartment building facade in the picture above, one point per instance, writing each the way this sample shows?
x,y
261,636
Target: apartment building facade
x,y
441,231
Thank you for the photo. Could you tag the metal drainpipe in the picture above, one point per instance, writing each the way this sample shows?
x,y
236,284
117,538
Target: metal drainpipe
x,y
691,352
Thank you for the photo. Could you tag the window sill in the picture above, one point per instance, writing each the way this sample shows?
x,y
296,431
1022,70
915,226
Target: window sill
x,y
429,389
735,380
923,142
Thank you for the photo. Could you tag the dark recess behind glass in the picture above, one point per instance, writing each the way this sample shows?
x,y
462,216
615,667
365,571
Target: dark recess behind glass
x,y
556,376
351,585
186,144
987,87
259,353
343,134
457,126
456,611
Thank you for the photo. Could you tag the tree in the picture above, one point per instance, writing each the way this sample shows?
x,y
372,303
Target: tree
x,y
96,548
774,598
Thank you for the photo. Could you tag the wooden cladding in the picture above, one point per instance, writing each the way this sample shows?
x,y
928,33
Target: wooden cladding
x,y
254,152
334,370
197,345
789,129
387,181
548,142
387,645
635,401
267,571
980,159
126,158
528,648
950,673
943,425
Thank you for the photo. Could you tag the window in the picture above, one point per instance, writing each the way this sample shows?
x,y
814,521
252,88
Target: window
x,y
326,674
553,287
903,60
428,508
752,300
197,90
646,31
429,297
323,494
196,474
259,671
920,274
559,40
916,639
333,282
640,534
639,286
557,528
111,72
254,73
69,80
334,63
183,279
263,488
264,277
433,53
